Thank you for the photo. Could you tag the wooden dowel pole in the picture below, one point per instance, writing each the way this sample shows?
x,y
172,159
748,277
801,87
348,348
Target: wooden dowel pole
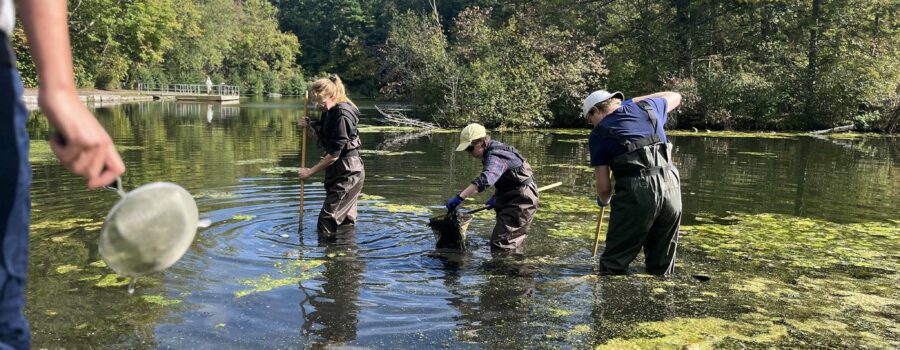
x,y
597,235
303,153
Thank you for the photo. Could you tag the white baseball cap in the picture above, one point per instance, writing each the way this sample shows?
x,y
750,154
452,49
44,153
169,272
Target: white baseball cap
x,y
596,97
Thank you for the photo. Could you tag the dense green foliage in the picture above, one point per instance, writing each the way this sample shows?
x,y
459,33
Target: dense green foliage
x,y
119,43
774,64
749,64
508,75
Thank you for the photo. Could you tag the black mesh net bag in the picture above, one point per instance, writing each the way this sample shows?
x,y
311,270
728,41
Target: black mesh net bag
x,y
450,229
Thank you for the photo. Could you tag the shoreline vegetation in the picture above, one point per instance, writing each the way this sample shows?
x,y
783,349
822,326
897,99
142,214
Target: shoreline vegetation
x,y
101,97
810,65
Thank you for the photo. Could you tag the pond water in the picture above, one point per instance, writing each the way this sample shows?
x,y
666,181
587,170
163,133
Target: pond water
x,y
799,238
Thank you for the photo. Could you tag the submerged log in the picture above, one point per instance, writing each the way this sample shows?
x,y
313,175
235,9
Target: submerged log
x,y
837,129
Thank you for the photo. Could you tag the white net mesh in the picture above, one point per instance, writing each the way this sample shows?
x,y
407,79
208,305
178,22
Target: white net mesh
x,y
149,229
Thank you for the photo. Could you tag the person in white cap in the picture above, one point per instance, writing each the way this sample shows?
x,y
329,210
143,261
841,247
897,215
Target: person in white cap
x,y
516,197
628,139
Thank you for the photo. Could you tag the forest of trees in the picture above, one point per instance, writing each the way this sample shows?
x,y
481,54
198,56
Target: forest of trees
x,y
743,64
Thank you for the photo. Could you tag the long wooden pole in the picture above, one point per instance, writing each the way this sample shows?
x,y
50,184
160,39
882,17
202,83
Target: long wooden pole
x,y
303,151
550,186
597,235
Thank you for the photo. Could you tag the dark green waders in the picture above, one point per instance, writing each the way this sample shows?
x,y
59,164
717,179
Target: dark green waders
x,y
646,213
646,205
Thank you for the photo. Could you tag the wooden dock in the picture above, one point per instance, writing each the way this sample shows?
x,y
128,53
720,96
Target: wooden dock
x,y
220,93
206,98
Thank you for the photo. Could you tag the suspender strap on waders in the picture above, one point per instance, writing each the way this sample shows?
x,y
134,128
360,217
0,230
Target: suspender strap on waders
x,y
634,145
513,178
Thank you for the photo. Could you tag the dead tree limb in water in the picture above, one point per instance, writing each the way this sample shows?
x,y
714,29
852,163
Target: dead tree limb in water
x,y
832,130
398,119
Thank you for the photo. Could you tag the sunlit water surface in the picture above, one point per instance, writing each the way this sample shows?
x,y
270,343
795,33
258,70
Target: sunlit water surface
x,y
258,277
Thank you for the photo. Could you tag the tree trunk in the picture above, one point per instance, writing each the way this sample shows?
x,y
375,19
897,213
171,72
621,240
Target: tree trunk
x,y
875,29
683,27
813,62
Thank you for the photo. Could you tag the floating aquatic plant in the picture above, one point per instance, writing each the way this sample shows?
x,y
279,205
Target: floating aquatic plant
x,y
241,217
365,129
739,134
292,266
389,153
557,204
254,161
799,242
160,300
113,280
370,197
857,136
91,278
66,269
699,333
279,170
66,224
583,168
402,208
266,283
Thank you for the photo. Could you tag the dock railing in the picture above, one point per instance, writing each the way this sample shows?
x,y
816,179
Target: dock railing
x,y
188,89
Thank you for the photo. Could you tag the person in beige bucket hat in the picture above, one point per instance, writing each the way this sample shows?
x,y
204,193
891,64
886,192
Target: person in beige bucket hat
x,y
516,198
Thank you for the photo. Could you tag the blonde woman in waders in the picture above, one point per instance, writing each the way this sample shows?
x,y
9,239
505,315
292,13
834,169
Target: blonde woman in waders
x,y
516,198
628,139
336,131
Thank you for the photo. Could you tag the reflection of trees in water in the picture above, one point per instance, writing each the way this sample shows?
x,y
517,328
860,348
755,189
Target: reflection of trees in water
x,y
779,175
497,311
395,141
331,313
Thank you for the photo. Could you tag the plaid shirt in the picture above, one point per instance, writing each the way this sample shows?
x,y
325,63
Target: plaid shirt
x,y
496,163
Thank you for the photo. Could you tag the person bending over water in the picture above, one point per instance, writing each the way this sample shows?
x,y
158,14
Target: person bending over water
x,y
628,139
516,198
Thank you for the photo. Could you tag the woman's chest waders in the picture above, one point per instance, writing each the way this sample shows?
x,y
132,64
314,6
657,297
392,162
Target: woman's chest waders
x,y
343,184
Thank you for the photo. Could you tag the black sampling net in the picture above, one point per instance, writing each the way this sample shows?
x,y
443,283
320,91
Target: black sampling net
x,y
450,229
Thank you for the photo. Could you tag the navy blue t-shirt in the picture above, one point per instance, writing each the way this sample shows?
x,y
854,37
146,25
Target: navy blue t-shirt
x,y
629,121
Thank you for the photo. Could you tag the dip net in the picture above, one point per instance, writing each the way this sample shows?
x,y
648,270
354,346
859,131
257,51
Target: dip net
x,y
450,229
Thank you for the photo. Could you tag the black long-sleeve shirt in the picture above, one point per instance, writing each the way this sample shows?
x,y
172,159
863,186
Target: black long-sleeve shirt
x,y
337,128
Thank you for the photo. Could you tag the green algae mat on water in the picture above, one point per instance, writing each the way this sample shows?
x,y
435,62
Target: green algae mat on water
x,y
773,239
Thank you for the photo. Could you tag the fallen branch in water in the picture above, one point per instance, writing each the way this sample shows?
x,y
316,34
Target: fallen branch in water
x,y
398,119
837,129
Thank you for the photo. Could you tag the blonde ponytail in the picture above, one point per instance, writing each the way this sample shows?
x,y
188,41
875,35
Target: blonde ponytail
x,y
331,87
